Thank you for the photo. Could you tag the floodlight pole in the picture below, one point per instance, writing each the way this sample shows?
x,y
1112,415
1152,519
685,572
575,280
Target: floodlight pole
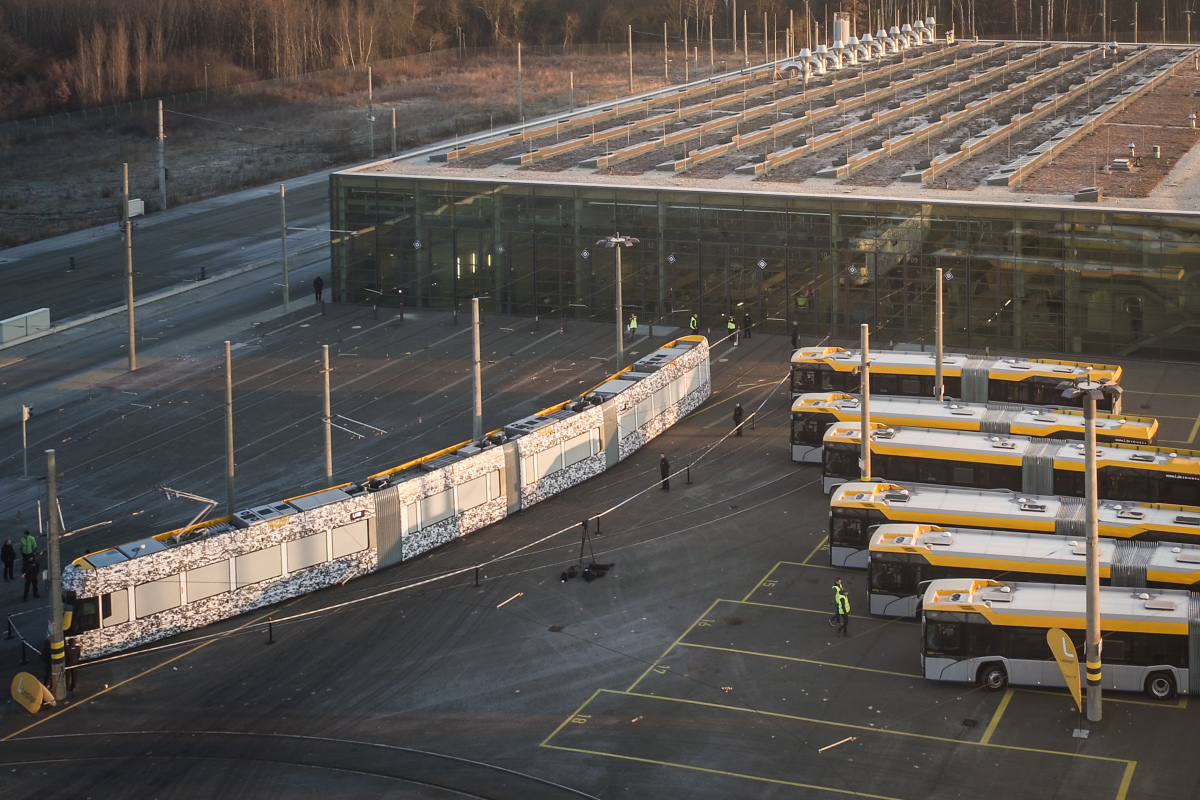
x,y
229,464
631,59
865,419
477,417
58,686
328,420
283,244
128,268
938,378
1094,690
162,162
617,242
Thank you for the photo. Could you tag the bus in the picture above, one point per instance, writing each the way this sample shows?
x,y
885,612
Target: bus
x,y
1138,473
814,413
969,378
856,508
994,634
906,557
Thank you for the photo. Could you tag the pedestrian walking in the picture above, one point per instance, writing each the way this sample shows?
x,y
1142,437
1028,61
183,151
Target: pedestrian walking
x,y
746,324
795,335
318,287
664,467
694,323
632,325
32,568
737,418
841,604
8,554
28,547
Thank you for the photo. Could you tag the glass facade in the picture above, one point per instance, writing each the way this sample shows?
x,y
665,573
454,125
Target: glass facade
x,y
1028,278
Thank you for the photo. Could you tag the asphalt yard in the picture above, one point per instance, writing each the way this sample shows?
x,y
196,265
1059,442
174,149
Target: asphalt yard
x,y
701,666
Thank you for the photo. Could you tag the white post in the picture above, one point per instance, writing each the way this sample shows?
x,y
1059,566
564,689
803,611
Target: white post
x,y
328,418
631,59
520,98
128,269
370,114
938,379
24,443
283,244
735,47
666,68
865,421
162,161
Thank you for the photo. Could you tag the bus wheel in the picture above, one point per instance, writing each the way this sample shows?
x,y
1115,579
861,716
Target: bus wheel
x,y
1161,686
993,677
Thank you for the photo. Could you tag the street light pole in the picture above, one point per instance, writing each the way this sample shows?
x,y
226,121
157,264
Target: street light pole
x,y
865,419
1091,391
617,242
938,378
58,686
128,269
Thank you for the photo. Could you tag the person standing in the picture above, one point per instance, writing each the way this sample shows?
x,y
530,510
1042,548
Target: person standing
x,y
841,604
318,287
737,418
32,568
746,324
28,547
632,325
731,328
8,554
664,467
694,324
795,335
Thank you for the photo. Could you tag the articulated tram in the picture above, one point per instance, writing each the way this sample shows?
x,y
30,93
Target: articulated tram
x,y
171,582
815,413
968,378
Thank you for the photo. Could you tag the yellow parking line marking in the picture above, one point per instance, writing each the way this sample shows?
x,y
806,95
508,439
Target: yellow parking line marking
x,y
115,686
868,728
699,619
1000,709
800,660
1126,780
1196,427
765,579
820,544
722,772
576,715
803,610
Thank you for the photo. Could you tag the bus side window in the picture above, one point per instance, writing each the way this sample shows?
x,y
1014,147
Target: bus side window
x,y
1070,484
1185,493
952,387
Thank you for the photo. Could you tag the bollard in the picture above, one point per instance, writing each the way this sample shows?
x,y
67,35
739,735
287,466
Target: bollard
x,y
402,311
689,475
597,525
8,634
537,322
477,575
456,316
24,655
201,272
270,630
375,311
752,421
72,267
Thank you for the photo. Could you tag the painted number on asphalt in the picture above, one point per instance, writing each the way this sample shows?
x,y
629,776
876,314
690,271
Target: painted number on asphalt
x,y
581,719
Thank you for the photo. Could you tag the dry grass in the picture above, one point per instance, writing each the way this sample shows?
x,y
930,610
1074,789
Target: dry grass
x,y
64,180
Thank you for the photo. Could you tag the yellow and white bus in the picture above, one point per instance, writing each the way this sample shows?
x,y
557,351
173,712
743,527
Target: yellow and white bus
x,y
855,509
969,378
814,413
906,557
1137,473
994,634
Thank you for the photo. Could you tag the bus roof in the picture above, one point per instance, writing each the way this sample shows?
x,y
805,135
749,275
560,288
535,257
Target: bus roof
x,y
1027,552
1061,605
920,411
1002,509
952,363
1001,448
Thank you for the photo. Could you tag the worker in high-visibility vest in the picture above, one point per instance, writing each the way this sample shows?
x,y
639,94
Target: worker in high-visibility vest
x,y
694,323
632,325
731,327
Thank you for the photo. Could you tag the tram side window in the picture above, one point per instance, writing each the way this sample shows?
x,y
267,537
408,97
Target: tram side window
x,y
1000,476
114,608
964,476
930,470
812,379
951,387
84,616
